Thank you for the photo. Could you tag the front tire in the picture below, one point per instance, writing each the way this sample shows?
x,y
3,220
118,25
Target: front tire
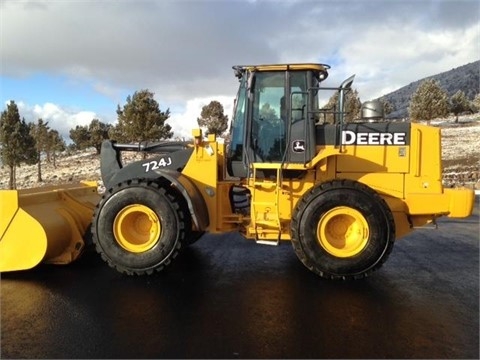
x,y
342,229
139,227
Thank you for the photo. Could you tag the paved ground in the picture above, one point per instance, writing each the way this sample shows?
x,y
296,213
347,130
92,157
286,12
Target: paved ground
x,y
226,297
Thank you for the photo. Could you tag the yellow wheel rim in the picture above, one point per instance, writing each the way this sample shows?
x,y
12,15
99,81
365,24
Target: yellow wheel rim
x,y
343,232
137,228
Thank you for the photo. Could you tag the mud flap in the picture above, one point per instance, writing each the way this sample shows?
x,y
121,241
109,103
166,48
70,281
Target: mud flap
x,y
44,224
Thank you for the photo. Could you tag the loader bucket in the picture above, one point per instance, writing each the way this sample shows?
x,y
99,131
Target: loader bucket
x,y
44,224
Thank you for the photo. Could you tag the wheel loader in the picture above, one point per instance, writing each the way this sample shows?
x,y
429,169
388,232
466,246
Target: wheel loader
x,y
293,169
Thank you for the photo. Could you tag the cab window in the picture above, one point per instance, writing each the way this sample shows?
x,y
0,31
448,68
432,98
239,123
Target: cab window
x,y
268,134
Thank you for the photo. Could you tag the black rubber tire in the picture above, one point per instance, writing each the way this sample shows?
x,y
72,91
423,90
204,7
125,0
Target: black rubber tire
x,y
192,236
165,205
330,195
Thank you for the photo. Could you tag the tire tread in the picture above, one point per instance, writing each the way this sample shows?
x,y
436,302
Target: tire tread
x,y
175,204
304,203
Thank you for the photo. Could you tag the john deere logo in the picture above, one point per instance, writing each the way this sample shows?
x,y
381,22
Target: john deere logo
x,y
373,138
298,146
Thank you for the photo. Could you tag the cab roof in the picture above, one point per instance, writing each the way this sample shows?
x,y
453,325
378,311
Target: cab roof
x,y
282,67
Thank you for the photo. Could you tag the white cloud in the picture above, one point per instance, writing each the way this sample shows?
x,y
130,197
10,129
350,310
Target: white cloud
x,y
182,122
58,118
381,68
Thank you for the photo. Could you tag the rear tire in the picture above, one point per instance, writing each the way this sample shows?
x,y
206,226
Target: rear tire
x,y
342,229
138,227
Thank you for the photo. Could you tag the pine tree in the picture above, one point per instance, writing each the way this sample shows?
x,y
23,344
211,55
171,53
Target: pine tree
x,y
91,135
39,131
352,107
80,137
141,119
55,144
98,131
387,106
213,119
459,103
476,103
17,145
428,102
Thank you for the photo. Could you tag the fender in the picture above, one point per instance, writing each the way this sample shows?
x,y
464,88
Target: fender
x,y
193,197
114,172
196,204
166,166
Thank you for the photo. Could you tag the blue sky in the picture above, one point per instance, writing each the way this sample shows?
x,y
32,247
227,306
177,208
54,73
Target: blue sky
x,y
71,61
44,87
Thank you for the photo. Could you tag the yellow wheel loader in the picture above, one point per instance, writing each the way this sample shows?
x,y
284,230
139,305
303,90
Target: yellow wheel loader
x,y
292,170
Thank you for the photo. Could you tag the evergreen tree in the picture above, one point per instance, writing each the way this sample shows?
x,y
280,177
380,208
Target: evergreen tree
x,y
476,103
17,145
91,135
352,107
115,133
80,137
213,119
459,103
428,102
98,131
55,144
141,119
39,131
387,106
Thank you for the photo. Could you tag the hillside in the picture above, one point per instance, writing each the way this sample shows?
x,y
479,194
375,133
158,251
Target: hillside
x,y
465,78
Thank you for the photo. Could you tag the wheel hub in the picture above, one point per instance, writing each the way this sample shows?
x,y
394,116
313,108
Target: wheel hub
x,y
137,228
343,232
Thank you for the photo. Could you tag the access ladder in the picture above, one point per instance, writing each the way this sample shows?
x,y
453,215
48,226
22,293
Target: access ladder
x,y
265,204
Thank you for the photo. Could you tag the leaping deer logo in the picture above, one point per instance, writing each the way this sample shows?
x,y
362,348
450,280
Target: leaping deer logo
x,y
298,146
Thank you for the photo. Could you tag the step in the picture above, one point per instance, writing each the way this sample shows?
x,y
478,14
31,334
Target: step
x,y
268,242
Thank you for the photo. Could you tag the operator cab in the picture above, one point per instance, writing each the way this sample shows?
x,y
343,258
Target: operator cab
x,y
275,114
